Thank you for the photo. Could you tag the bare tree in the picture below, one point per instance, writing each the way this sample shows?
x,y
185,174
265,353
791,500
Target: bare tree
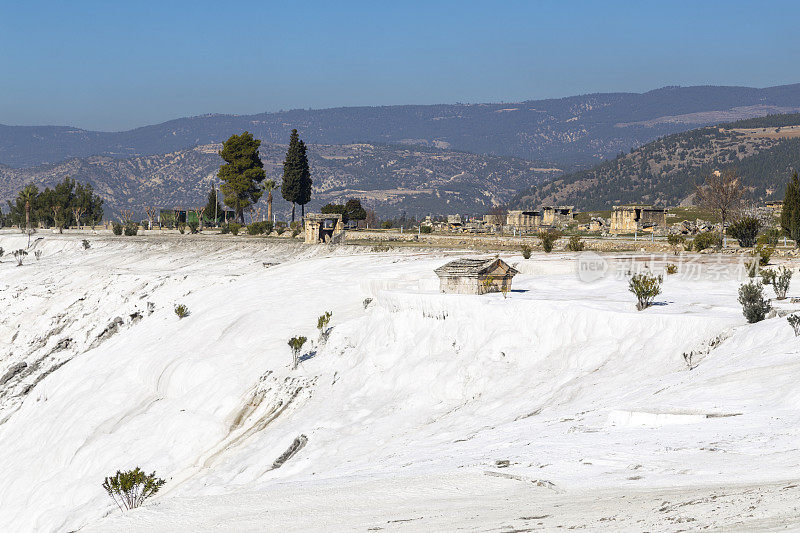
x,y
126,215
269,186
151,215
721,193
371,219
199,212
57,218
77,212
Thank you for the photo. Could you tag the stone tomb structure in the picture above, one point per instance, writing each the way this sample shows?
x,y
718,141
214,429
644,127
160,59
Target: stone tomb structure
x,y
475,276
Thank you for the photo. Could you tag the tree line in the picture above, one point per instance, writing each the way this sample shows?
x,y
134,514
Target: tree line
x,y
243,178
68,203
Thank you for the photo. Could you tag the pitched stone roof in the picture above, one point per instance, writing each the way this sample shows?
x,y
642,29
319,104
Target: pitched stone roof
x,y
472,267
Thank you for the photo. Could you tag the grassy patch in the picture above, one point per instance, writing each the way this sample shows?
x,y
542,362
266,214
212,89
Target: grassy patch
x,y
586,216
692,213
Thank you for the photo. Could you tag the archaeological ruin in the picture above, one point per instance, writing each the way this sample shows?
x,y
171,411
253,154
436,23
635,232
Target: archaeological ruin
x,y
635,218
475,276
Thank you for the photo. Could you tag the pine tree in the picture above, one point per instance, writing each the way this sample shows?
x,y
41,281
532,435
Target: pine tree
x,y
791,203
355,211
242,173
296,186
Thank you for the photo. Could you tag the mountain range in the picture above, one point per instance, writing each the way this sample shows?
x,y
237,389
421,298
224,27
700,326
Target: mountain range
x,y
577,129
422,158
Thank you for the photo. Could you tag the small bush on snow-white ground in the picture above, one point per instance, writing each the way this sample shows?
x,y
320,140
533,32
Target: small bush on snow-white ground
x,y
781,282
646,287
754,306
131,488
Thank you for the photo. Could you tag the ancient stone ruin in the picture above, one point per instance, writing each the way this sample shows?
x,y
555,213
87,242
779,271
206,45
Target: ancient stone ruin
x,y
323,228
475,276
636,218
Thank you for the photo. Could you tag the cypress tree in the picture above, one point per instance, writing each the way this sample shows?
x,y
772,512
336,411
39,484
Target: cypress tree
x,y
296,186
213,207
791,203
794,225
242,173
305,180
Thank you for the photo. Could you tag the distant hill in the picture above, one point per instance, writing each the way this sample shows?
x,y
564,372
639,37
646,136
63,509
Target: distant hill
x,y
764,153
574,130
391,179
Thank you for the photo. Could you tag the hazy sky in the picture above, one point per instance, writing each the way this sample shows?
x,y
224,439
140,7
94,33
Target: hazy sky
x,y
114,65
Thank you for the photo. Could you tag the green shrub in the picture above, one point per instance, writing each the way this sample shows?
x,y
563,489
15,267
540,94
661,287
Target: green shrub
x,y
754,306
182,227
224,229
295,232
182,311
85,243
131,488
322,325
672,269
769,237
19,255
767,276
386,224
707,239
751,267
745,230
266,227
296,344
116,228
549,238
426,229
645,287
234,228
255,228
794,321
131,229
280,227
764,254
675,239
575,244
526,251
193,226
781,282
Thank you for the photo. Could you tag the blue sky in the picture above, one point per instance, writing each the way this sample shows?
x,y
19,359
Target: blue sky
x,y
115,65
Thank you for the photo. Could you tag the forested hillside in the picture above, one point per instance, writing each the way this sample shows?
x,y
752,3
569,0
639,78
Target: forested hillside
x,y
664,172
391,179
769,121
